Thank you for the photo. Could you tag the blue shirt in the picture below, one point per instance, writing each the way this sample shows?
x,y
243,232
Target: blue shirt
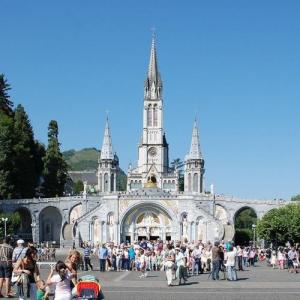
x,y
103,253
131,253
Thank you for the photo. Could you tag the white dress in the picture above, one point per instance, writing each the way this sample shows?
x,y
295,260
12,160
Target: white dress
x,y
169,265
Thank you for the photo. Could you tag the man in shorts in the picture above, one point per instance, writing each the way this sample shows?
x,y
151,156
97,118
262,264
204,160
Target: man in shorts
x,y
6,251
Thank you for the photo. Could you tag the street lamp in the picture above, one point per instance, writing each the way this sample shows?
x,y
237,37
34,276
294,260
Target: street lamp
x,y
4,220
254,234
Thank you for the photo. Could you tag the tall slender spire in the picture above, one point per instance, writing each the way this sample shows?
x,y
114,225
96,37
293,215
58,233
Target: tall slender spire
x,y
153,68
195,152
107,149
153,84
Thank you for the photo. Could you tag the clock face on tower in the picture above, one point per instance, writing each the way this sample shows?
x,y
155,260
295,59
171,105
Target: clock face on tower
x,y
152,151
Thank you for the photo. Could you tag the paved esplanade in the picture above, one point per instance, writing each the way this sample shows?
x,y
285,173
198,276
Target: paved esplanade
x,y
260,282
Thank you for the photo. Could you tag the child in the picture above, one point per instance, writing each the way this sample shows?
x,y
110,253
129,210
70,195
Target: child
x,y
42,290
62,281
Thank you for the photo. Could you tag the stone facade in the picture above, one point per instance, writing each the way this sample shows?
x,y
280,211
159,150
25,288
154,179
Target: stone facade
x,y
152,207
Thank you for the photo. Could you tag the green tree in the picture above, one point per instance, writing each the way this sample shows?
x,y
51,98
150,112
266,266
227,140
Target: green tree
x,y
245,219
280,225
243,226
6,156
24,173
55,167
178,164
296,198
121,180
6,105
39,155
6,141
12,225
78,187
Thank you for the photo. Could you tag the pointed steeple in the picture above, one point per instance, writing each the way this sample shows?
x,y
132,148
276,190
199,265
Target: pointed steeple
x,y
107,149
195,152
153,68
153,84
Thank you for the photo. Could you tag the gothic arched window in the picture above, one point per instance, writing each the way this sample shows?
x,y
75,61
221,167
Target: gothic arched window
x,y
149,115
112,182
100,182
189,182
105,182
155,115
195,182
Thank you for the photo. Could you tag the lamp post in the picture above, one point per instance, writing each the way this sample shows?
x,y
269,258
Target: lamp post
x,y
4,220
254,234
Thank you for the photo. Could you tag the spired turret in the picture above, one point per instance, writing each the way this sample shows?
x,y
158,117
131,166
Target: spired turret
x,y
194,165
108,164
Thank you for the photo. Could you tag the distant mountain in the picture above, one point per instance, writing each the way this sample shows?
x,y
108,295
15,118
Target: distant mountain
x,y
82,160
87,159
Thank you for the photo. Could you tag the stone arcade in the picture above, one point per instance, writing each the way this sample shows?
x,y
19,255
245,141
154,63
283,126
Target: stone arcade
x,y
152,207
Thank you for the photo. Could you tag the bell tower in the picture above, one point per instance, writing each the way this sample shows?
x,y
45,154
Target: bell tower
x,y
153,149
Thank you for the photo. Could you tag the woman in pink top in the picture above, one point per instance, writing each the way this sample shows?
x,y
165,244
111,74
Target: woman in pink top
x,y
61,280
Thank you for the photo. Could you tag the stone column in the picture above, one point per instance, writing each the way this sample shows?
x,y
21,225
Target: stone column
x,y
116,233
132,234
196,231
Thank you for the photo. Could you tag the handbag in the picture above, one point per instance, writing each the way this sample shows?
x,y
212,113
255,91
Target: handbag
x,y
15,278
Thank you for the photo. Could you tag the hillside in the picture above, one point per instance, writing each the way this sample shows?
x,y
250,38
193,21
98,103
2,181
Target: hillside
x,y
85,159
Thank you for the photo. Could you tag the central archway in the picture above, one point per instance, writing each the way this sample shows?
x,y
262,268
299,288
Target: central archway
x,y
149,221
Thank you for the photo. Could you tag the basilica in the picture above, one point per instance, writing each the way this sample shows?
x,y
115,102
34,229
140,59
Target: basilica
x,y
153,207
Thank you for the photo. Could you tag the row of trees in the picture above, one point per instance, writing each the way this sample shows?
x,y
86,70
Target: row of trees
x,y
27,169
281,225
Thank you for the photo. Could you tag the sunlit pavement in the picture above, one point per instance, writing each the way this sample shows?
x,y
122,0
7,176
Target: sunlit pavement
x,y
260,282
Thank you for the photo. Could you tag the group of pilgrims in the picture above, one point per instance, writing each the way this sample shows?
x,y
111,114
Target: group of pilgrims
x,y
178,259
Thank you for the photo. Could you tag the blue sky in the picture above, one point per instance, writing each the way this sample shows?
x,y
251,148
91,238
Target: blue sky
x,y
235,64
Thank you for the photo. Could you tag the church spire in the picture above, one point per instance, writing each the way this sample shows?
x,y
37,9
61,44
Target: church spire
x,y
153,84
153,68
107,149
195,152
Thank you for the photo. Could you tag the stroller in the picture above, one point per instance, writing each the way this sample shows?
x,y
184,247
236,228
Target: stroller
x,y
89,288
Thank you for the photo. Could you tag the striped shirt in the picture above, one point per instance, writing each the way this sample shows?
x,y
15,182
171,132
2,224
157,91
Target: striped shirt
x,y
87,252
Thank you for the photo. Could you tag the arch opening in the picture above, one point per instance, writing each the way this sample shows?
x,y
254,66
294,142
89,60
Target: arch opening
x,y
146,221
50,221
25,228
245,220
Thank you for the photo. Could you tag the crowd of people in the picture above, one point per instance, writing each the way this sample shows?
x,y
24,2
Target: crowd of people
x,y
188,258
179,261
